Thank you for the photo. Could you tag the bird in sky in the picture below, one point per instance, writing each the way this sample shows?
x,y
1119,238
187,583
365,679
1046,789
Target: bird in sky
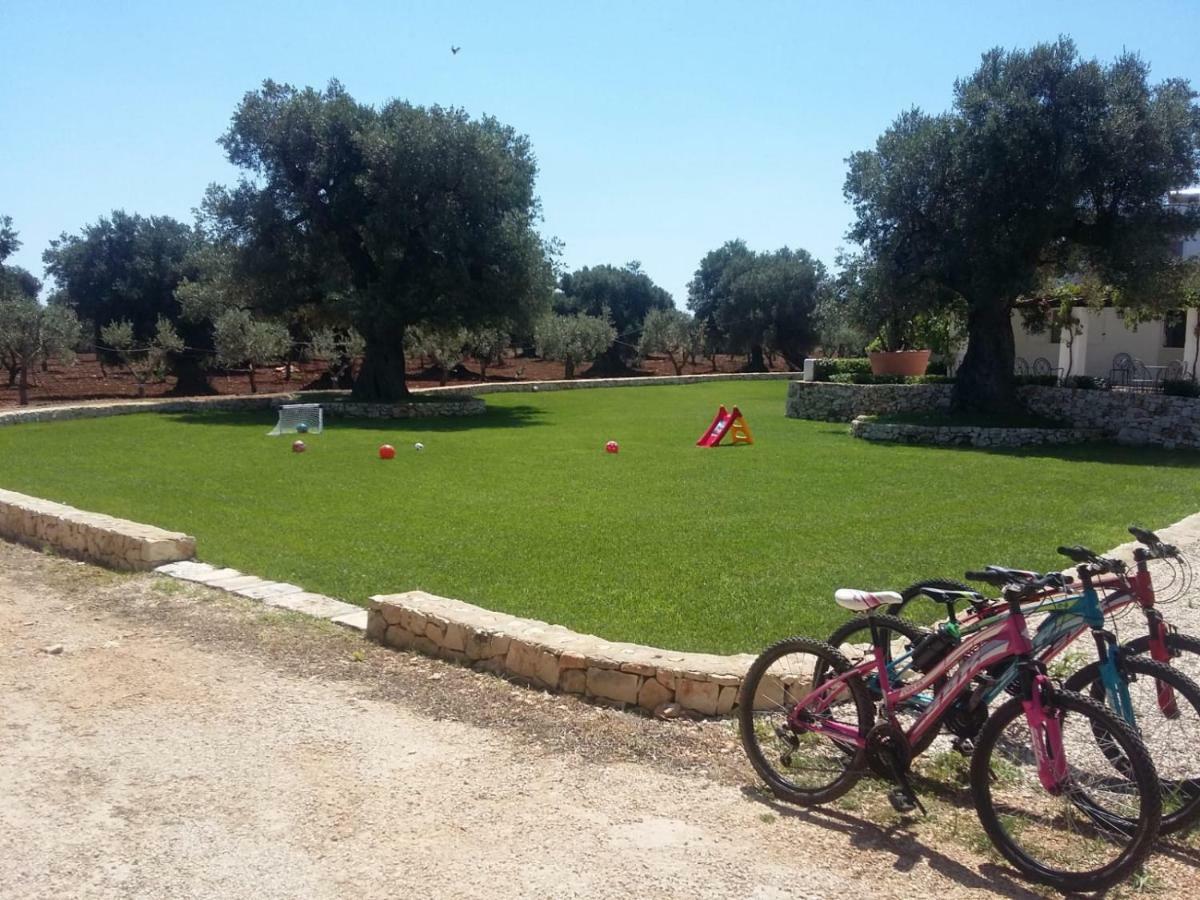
x,y
455,50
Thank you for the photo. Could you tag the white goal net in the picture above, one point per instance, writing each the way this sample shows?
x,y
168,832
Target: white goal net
x,y
299,417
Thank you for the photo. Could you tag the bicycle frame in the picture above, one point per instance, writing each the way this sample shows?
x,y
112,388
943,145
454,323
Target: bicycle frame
x,y
992,643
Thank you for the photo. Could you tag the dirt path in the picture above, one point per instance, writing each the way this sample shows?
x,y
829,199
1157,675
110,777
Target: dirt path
x,y
188,744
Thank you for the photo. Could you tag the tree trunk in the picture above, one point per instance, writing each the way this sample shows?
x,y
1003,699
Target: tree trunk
x,y
190,377
382,378
985,382
253,382
678,366
287,370
755,363
569,368
443,375
23,386
13,372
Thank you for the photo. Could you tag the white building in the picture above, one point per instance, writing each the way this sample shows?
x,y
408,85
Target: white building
x,y
1157,343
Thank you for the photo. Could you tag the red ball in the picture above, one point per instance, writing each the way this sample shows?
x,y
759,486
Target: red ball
x,y
387,451
612,447
298,447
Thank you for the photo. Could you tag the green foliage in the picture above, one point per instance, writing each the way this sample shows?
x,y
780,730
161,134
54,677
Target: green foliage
x,y
243,341
1048,165
760,302
674,333
569,534
30,334
868,378
572,339
338,348
488,346
1086,383
1181,387
624,296
443,347
825,368
146,360
382,218
10,243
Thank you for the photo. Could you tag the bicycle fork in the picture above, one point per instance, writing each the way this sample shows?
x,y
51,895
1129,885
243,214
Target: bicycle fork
x,y
1045,730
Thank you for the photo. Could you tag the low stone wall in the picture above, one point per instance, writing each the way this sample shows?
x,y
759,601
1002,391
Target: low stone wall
x,y
102,409
576,384
1128,418
1123,416
868,429
555,658
833,402
117,543
451,406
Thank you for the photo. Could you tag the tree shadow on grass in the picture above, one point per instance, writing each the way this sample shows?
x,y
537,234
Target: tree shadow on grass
x,y
899,839
495,417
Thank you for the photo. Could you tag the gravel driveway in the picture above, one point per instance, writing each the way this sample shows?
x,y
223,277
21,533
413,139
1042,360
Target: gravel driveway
x,y
184,743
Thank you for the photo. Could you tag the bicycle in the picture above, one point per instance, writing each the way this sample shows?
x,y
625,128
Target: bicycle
x,y
1089,789
1149,695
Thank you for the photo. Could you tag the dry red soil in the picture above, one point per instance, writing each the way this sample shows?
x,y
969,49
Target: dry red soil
x,y
86,380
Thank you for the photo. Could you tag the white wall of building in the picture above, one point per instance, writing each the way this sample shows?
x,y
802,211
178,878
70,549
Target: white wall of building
x,y
1104,335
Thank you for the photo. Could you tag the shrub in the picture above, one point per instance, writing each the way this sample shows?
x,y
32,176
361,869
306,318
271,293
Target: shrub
x,y
1181,387
1037,380
825,369
1087,383
868,378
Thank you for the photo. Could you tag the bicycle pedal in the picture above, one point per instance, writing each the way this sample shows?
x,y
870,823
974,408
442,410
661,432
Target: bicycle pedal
x,y
902,801
965,746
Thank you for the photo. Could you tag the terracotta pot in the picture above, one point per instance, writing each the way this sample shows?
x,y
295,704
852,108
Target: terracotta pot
x,y
899,362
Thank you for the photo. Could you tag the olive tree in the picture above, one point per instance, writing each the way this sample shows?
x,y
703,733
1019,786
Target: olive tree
x,y
572,339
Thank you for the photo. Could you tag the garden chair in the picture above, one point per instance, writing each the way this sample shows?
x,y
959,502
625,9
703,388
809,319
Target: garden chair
x,y
1020,366
1122,370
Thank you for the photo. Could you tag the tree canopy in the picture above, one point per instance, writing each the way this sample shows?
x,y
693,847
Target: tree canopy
x,y
755,300
624,294
1047,165
390,218
126,268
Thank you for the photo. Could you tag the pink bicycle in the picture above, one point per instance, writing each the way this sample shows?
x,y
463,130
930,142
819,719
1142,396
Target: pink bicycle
x,y
1064,789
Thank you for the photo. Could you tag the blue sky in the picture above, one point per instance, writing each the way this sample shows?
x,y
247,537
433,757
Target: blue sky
x,y
662,129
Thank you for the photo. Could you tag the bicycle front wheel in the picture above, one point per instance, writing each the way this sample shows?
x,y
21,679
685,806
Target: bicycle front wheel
x,y
1097,825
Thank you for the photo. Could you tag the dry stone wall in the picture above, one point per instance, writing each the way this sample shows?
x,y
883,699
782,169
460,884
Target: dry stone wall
x,y
576,384
866,428
1128,418
117,543
832,402
456,406
556,658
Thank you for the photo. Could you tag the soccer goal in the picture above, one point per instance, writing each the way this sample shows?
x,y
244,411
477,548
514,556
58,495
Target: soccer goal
x,y
299,417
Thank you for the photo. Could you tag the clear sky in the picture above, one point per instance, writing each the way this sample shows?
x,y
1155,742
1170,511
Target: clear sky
x,y
662,128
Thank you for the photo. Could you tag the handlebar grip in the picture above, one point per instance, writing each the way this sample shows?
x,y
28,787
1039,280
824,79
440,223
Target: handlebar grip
x,y
1077,554
1144,536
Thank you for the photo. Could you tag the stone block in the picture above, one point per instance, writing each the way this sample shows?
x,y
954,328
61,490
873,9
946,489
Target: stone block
x,y
700,696
572,681
613,685
653,694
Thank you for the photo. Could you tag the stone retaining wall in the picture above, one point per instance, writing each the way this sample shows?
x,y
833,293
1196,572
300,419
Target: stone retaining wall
x,y
101,409
117,543
1123,416
555,658
833,402
868,429
1129,418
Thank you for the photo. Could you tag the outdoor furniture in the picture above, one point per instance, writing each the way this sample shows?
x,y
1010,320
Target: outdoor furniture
x,y
1020,366
1122,370
1145,378
1175,371
1042,366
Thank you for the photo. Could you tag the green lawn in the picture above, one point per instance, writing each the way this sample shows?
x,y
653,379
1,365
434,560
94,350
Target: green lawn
x,y
665,543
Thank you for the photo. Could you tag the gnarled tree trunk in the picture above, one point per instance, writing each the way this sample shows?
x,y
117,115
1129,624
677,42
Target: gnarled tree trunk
x,y
984,382
756,362
382,378
191,379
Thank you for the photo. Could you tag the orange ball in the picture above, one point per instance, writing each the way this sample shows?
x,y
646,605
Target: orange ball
x,y
387,451
298,447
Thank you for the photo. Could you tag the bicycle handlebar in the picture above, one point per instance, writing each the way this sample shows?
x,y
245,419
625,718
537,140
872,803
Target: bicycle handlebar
x,y
1154,546
1078,554
1054,581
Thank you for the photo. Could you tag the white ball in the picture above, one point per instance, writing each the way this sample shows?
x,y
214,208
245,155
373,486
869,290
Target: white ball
x,y
418,446
535,388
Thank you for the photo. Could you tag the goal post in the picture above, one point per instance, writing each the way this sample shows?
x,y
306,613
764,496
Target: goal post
x,y
292,415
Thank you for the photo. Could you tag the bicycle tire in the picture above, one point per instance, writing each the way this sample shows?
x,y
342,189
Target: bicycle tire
x,y
1144,829
1088,681
864,709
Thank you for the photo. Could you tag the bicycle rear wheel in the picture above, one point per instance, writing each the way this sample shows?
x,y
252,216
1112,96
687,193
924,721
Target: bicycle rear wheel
x,y
1100,822
802,766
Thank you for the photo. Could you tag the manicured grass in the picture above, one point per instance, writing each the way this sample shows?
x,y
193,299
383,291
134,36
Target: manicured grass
x,y
664,543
